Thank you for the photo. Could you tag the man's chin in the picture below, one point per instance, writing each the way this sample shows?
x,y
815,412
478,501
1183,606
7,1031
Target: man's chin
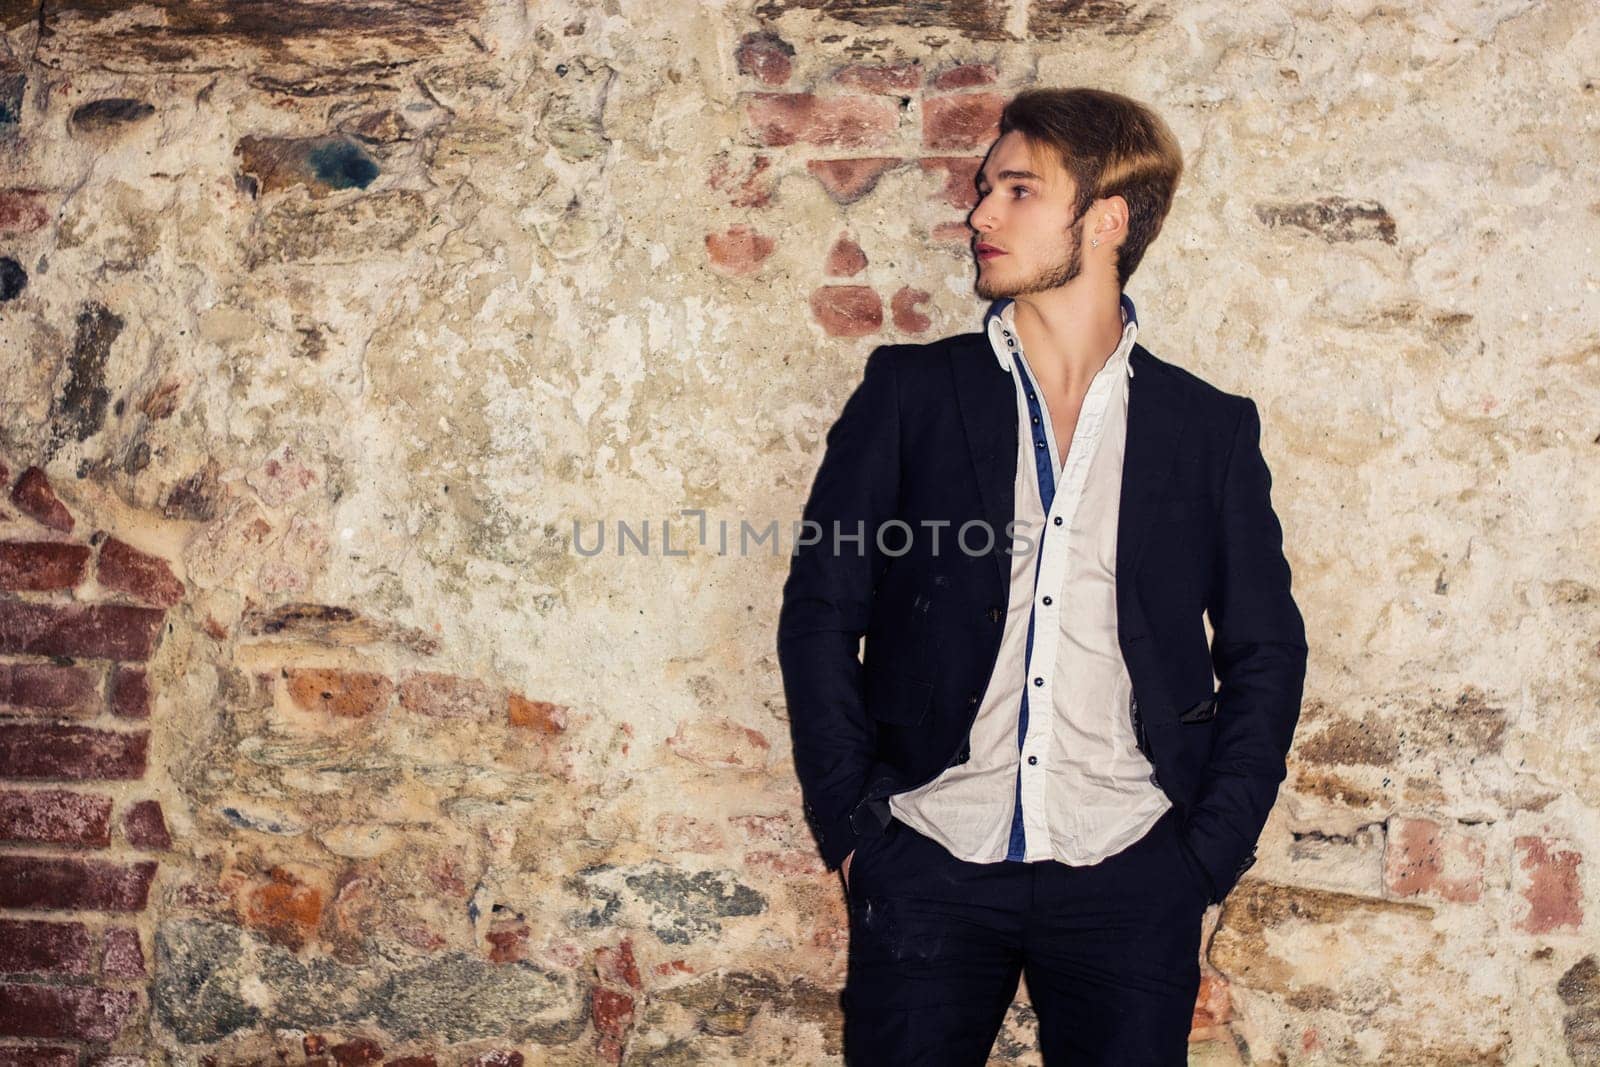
x,y
991,290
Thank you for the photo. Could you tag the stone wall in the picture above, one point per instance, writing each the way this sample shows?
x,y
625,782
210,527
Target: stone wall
x,y
322,324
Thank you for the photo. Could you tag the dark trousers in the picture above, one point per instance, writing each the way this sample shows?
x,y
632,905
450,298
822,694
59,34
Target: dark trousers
x,y
1111,952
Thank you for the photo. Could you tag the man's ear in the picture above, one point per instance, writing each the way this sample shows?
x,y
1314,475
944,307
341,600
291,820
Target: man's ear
x,y
1116,209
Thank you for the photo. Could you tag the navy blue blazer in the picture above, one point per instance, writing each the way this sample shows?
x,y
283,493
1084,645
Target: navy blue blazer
x,y
929,437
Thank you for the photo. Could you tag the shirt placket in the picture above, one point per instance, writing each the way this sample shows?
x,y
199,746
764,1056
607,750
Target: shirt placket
x,y
1030,829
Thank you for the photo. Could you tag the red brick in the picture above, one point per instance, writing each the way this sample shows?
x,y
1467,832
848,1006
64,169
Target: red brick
x,y
40,566
613,1012
837,121
508,941
130,693
128,570
1547,879
46,687
778,828
966,76
446,873
1214,1005
145,828
47,751
88,631
122,954
968,120
46,882
1421,858
33,495
539,715
880,78
356,1052
55,817
412,1061
285,475
716,741
952,232
750,186
847,310
959,175
845,259
765,57
738,250
791,863
848,180
83,1013
617,965
448,696
682,833
38,1056
345,694
28,947
287,909
903,309
22,210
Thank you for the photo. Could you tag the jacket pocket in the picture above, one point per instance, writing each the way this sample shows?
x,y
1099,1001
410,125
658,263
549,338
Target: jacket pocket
x,y
1204,711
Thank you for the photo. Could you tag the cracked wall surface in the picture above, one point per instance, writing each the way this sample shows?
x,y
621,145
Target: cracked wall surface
x,y
325,328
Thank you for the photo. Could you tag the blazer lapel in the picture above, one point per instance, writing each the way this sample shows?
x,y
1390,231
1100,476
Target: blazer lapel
x,y
988,402
1155,424
987,399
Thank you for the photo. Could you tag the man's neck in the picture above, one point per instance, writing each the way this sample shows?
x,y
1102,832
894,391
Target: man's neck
x,y
1068,337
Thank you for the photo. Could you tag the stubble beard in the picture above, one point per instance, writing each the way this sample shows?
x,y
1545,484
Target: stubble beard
x,y
1051,276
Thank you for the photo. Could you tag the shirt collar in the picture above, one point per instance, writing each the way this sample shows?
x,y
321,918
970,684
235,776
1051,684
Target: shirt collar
x,y
999,324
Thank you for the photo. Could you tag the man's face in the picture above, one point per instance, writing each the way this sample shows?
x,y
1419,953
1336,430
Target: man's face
x,y
1025,211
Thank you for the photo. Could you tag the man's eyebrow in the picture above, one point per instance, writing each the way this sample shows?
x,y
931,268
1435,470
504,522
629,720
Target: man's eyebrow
x,y
1010,174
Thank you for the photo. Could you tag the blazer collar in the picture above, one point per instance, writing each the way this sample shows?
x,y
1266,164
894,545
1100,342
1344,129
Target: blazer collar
x,y
987,400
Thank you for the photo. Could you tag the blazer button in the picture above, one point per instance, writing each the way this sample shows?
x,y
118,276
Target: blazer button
x,y
995,614
972,699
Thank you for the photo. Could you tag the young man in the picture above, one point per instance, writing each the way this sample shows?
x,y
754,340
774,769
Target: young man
x,y
1030,772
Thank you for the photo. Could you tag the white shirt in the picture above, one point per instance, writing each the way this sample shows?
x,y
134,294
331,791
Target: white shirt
x,y
1087,791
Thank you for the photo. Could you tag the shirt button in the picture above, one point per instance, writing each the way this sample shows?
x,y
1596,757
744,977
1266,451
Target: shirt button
x,y
1048,601
1032,760
1058,520
1039,443
1036,420
1038,681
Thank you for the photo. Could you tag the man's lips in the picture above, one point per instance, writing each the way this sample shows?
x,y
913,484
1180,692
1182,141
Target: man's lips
x,y
989,251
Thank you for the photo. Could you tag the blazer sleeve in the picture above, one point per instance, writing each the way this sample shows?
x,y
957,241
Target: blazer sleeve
x,y
1258,651
826,604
